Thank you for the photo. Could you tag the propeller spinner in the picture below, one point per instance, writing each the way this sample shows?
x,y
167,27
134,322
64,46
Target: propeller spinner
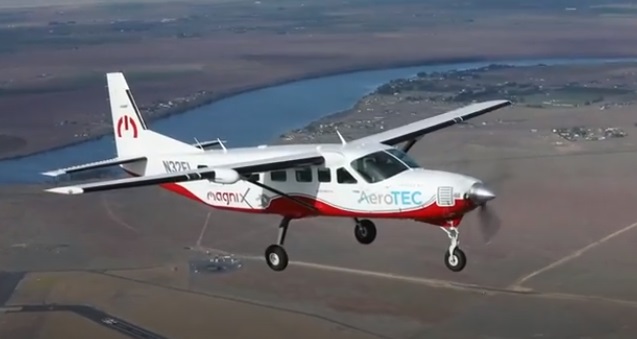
x,y
488,220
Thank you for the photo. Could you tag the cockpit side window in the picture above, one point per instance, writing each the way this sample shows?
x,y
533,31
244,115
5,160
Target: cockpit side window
x,y
409,161
344,177
378,166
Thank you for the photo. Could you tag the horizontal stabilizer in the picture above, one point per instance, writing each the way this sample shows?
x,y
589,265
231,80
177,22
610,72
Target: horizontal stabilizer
x,y
198,174
208,144
93,165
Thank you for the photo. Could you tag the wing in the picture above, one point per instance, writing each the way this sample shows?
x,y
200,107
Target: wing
x,y
226,173
277,163
198,174
419,128
93,165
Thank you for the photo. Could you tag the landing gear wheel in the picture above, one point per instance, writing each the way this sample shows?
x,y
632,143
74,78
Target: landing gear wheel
x,y
276,257
365,231
457,261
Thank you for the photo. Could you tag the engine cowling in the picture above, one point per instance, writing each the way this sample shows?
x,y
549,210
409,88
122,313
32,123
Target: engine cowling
x,y
225,176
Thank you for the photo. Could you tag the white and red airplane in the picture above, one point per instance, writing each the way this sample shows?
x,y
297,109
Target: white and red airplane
x,y
359,179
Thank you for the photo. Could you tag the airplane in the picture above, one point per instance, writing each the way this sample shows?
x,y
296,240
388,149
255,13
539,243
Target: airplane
x,y
366,178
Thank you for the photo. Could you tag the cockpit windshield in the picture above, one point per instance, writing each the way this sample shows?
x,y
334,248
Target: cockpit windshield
x,y
382,165
403,157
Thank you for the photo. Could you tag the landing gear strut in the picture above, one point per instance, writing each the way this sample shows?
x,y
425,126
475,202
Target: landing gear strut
x,y
365,231
275,254
455,259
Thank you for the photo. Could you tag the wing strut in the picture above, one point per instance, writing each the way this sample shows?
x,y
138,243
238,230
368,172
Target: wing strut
x,y
410,144
293,199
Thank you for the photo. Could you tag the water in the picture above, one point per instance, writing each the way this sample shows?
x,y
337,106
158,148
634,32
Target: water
x,y
251,118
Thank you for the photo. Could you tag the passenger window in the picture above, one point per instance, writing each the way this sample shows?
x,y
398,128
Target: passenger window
x,y
253,177
324,175
201,166
343,177
278,176
304,175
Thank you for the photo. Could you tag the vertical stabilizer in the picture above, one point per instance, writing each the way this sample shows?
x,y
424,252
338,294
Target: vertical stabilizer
x,y
132,136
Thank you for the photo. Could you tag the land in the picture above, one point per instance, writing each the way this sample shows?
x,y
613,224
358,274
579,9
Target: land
x,y
184,54
122,264
549,90
556,269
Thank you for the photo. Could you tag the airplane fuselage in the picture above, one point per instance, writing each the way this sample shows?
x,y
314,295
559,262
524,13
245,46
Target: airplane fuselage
x,y
337,188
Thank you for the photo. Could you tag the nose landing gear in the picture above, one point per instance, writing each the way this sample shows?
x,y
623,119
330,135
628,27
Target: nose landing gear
x,y
455,259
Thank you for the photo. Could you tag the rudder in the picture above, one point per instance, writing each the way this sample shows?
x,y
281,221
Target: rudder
x,y
128,124
132,136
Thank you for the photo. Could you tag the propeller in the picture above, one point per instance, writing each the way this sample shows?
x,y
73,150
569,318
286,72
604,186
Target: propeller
x,y
488,220
497,172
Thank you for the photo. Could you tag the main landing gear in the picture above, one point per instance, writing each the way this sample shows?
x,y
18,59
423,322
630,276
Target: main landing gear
x,y
455,258
275,254
277,257
365,231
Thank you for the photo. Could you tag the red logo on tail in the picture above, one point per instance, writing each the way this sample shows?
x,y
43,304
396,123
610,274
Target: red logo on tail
x,y
127,123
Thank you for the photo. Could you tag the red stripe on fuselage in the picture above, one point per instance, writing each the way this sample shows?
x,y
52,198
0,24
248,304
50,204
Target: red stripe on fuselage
x,y
284,206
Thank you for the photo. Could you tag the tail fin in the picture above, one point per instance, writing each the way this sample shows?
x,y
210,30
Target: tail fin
x,y
132,136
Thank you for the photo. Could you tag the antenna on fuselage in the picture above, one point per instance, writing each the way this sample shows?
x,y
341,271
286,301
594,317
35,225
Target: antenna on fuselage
x,y
198,143
225,150
341,137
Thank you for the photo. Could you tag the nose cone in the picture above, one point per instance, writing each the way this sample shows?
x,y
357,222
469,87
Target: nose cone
x,y
480,194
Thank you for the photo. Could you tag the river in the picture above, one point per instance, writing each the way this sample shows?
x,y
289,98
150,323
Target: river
x,y
251,118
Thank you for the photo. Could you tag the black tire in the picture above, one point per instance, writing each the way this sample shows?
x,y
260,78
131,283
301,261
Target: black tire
x,y
457,264
276,257
365,231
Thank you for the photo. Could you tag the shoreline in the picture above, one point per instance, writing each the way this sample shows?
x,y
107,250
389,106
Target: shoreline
x,y
309,76
230,93
348,111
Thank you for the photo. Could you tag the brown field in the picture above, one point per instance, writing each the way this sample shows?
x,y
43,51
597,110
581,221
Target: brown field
x,y
57,325
557,268
238,45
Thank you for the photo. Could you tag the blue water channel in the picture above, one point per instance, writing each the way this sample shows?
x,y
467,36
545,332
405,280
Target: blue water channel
x,y
253,117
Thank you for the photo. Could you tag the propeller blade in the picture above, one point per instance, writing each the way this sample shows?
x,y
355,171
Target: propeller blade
x,y
497,175
489,223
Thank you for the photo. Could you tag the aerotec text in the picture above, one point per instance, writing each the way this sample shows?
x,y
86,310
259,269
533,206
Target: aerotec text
x,y
404,198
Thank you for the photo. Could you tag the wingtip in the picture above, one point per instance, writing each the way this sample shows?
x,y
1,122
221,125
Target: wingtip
x,y
498,102
495,103
68,190
54,173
